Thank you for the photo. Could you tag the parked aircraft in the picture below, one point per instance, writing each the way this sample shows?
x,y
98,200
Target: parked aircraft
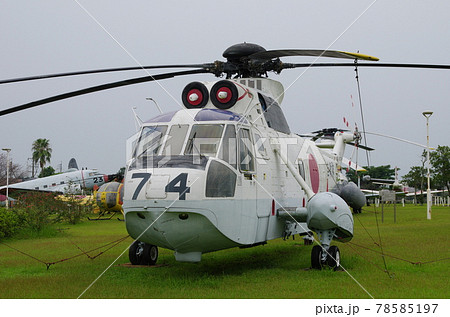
x,y
72,181
226,170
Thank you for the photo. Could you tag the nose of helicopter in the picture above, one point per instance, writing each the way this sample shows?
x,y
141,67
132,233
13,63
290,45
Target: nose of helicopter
x,y
178,209
188,231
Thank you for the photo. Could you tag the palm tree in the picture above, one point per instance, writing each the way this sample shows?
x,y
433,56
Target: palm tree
x,y
42,152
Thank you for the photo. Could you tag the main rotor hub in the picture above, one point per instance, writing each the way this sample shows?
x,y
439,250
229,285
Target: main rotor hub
x,y
237,52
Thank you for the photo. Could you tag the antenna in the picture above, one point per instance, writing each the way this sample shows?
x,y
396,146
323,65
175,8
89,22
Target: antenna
x,y
138,121
151,99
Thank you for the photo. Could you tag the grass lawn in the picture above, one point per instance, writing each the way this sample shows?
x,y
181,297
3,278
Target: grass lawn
x,y
276,270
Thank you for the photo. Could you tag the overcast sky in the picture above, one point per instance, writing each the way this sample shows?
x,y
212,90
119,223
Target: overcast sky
x,y
53,36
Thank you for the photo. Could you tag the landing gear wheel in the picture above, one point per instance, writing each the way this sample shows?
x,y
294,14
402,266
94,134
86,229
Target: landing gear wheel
x,y
316,257
141,253
135,252
150,254
334,257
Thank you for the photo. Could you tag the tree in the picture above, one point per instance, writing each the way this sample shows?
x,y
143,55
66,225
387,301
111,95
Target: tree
x,y
16,172
415,179
440,162
47,171
380,172
42,152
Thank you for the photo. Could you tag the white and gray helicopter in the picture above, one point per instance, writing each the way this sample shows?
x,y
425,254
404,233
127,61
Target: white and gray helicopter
x,y
227,171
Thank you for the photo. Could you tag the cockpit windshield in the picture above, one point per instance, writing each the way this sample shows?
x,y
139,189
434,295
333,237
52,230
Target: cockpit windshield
x,y
185,145
150,140
204,139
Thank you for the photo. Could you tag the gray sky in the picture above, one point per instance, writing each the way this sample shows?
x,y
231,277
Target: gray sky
x,y
53,36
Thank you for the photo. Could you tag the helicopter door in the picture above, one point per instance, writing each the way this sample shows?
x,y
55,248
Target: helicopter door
x,y
246,188
263,198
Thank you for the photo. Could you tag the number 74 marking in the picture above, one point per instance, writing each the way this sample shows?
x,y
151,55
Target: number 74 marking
x,y
177,185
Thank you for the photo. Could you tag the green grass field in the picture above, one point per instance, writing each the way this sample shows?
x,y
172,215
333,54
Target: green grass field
x,y
276,270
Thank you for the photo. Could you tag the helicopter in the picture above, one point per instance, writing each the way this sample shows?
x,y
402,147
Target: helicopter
x,y
226,170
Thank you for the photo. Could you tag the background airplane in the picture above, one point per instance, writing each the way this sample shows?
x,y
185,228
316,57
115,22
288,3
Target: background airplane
x,y
71,181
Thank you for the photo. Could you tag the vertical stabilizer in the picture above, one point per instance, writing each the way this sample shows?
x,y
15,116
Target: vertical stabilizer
x,y
73,164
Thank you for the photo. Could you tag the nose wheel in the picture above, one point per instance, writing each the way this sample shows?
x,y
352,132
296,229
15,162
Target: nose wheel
x,y
334,257
331,259
141,253
316,257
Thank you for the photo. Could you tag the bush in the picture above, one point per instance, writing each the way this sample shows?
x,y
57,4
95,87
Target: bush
x,y
38,210
35,209
73,211
9,223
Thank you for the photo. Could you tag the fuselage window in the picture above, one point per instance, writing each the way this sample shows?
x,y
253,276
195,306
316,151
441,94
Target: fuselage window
x,y
301,169
228,149
204,139
246,158
175,139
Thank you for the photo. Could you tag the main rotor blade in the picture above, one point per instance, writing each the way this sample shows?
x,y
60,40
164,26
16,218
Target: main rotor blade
x,y
318,53
387,65
89,90
96,71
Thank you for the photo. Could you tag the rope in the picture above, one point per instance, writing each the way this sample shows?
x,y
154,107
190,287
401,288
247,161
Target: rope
x,y
80,249
367,154
48,264
365,258
365,229
361,108
398,258
24,253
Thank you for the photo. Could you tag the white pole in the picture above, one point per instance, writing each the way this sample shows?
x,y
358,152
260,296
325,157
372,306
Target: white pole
x,y
7,177
427,114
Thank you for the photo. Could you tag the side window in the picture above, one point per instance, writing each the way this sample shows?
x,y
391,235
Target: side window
x,y
228,148
259,144
246,157
220,181
301,169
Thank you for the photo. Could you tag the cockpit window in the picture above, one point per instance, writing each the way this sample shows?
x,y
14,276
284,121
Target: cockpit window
x,y
228,148
246,157
175,139
204,139
150,140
